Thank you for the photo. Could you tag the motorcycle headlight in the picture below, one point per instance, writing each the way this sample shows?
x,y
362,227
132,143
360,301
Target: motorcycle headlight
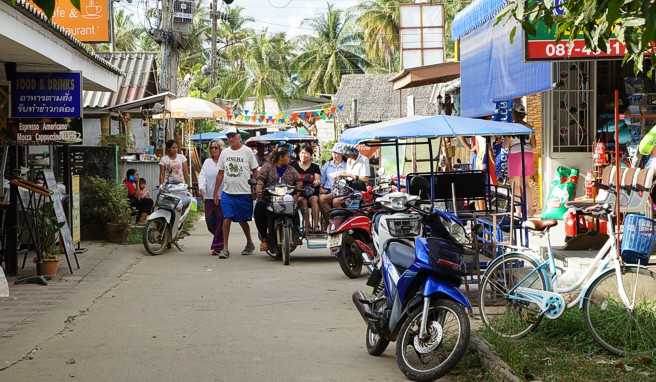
x,y
398,203
280,190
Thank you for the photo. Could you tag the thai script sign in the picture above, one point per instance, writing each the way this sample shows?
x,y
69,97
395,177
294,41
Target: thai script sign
x,y
89,24
46,131
46,95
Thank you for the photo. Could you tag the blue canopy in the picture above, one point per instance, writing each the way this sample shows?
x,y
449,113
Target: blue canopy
x,y
435,126
210,136
281,136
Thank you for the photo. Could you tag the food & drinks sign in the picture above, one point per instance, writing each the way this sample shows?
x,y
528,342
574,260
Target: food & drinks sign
x,y
46,95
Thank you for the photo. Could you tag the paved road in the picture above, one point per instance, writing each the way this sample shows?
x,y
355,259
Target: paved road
x,y
191,317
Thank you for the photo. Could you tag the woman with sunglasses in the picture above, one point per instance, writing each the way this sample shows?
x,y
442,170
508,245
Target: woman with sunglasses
x,y
206,182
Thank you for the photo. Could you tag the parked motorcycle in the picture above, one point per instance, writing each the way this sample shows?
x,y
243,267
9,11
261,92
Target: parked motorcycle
x,y
415,301
281,204
164,226
349,231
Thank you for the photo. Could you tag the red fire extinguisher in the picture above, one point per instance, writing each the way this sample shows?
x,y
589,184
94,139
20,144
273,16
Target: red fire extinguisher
x,y
599,156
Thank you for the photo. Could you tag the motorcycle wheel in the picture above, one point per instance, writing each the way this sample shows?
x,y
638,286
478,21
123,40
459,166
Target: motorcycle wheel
x,y
376,343
156,237
437,327
286,244
350,261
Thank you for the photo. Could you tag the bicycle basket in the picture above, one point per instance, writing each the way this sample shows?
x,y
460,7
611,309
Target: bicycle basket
x,y
639,239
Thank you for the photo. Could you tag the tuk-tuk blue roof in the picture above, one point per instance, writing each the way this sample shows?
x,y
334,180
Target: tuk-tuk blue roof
x,y
281,136
434,126
210,136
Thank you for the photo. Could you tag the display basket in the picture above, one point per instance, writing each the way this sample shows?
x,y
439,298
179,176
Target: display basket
x,y
639,239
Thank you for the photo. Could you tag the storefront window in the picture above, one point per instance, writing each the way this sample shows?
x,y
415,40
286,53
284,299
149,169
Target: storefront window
x,y
573,106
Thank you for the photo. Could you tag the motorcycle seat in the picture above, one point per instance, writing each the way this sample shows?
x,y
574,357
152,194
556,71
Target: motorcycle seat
x,y
401,255
340,212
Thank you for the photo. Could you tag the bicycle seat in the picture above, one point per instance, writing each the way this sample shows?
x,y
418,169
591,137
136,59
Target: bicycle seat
x,y
540,225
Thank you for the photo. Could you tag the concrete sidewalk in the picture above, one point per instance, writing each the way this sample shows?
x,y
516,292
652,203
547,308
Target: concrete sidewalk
x,y
34,313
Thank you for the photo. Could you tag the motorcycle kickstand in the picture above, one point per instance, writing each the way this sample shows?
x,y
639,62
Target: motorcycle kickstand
x,y
177,246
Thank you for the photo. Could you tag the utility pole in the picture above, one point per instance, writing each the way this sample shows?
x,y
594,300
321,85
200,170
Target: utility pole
x,y
168,76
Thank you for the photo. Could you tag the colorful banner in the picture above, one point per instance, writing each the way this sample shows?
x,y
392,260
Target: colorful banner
x,y
286,118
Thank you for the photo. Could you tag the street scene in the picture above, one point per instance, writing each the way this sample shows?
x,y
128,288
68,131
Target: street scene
x,y
342,190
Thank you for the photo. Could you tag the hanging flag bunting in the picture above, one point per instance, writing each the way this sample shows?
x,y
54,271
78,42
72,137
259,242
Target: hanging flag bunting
x,y
310,116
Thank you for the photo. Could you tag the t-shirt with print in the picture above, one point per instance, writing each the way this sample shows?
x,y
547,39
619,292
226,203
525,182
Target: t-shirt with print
x,y
237,166
173,168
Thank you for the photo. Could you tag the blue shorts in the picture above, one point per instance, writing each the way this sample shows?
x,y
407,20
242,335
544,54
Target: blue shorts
x,y
238,208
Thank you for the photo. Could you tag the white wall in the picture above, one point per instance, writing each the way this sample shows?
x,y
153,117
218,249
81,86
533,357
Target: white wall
x,y
91,133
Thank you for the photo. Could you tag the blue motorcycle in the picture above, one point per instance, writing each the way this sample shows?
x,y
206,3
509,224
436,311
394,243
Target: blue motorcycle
x,y
416,301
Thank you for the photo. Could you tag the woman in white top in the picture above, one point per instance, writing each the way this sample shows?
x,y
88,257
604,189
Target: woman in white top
x,y
172,167
206,182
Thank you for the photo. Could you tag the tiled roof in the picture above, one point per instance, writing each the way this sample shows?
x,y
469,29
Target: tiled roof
x,y
37,14
137,68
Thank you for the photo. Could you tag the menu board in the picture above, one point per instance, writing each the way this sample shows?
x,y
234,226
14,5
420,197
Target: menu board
x,y
64,230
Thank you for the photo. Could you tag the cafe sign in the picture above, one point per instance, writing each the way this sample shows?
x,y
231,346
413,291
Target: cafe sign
x,y
89,24
46,95
46,131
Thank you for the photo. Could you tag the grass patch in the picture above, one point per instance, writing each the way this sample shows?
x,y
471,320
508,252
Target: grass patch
x,y
563,350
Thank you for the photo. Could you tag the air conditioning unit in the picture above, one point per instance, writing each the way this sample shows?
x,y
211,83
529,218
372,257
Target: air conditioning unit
x,y
183,11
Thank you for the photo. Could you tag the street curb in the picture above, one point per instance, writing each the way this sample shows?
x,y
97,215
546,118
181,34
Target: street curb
x,y
491,361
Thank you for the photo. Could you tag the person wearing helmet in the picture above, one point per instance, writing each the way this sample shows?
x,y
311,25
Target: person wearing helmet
x,y
357,172
329,173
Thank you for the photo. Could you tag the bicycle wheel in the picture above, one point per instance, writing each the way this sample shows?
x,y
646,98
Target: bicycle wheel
x,y
618,329
505,316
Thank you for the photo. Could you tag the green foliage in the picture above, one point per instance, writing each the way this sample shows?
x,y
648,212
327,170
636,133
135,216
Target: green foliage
x,y
326,151
335,48
106,201
633,22
48,227
379,22
123,142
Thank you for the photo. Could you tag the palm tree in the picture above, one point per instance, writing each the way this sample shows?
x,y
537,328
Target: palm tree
x,y
263,71
127,34
379,21
332,50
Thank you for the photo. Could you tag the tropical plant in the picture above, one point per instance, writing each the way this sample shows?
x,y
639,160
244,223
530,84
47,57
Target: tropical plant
x,y
48,230
107,201
380,21
128,35
632,22
263,71
334,49
451,8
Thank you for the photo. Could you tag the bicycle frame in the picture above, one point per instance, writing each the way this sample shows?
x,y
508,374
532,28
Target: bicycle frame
x,y
600,264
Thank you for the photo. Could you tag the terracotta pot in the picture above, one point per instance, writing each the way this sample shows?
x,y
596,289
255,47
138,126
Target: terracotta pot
x,y
49,267
117,233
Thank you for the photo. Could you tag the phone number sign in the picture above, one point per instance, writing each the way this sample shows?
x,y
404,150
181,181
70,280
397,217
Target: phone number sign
x,y
543,46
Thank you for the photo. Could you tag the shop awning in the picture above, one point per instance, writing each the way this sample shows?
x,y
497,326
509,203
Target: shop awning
x,y
426,75
474,16
35,43
494,69
163,98
434,126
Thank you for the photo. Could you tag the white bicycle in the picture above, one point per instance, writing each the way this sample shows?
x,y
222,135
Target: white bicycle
x,y
618,300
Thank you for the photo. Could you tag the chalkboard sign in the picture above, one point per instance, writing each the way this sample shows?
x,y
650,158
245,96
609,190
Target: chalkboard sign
x,y
88,161
64,230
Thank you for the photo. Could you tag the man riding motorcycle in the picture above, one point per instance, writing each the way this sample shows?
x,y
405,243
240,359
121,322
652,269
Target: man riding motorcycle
x,y
274,172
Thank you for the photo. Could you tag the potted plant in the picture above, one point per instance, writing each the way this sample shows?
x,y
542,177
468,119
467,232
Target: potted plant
x,y
111,206
49,228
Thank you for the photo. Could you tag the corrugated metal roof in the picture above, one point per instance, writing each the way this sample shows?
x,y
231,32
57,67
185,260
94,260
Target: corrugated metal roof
x,y
137,67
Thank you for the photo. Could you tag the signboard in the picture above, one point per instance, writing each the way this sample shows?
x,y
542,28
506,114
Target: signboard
x,y
64,231
75,214
421,28
46,131
503,111
89,24
46,95
542,46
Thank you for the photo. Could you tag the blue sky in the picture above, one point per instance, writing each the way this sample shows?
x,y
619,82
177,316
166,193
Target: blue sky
x,y
286,15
